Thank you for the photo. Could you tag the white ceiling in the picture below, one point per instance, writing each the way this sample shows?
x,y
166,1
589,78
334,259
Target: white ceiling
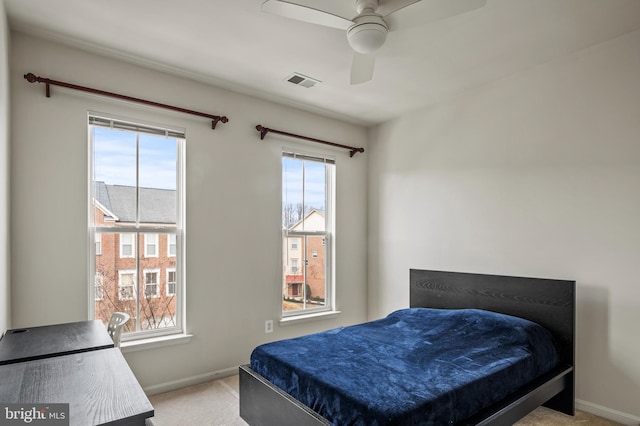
x,y
232,44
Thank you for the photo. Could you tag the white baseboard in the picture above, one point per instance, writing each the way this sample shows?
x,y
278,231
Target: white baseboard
x,y
190,381
607,413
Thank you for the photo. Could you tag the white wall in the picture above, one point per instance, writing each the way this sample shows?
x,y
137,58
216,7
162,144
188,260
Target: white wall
x,y
535,175
233,194
5,305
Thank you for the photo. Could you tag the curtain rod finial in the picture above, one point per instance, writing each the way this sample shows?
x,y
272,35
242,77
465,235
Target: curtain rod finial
x,y
31,77
263,131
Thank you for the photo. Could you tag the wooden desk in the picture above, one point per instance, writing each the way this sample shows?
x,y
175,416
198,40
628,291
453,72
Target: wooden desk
x,y
19,345
98,386
75,364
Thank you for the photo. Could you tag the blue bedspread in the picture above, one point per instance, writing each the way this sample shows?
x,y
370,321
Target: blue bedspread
x,y
415,367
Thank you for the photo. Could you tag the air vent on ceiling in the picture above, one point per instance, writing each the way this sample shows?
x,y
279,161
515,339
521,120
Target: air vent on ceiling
x,y
302,80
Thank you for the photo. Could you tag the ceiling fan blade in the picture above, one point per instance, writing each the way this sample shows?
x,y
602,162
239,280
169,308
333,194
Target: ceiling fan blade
x,y
305,14
431,11
362,68
387,7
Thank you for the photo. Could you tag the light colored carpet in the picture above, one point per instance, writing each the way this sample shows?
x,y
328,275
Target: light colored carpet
x,y
216,404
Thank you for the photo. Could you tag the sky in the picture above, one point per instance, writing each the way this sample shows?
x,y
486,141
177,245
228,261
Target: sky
x,y
115,159
115,164
303,180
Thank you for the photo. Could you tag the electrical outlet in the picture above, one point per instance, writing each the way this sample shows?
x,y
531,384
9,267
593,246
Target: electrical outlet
x,y
268,326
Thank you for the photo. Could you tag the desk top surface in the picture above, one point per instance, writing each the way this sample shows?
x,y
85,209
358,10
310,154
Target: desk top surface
x,y
19,345
98,386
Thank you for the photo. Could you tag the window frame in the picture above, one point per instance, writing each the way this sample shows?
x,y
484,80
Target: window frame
x,y
301,235
139,229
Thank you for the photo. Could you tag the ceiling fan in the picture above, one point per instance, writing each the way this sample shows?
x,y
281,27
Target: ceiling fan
x,y
366,22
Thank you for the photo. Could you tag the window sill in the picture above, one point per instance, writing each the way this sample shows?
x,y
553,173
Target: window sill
x,y
297,319
154,342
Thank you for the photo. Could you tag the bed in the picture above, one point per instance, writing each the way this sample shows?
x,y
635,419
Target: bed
x,y
460,296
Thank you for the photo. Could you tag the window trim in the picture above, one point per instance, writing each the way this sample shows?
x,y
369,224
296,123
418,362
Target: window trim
x,y
108,120
329,232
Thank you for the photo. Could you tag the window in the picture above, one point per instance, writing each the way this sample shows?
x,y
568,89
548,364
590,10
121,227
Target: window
x,y
171,282
98,243
126,245
151,285
307,227
150,245
126,285
136,210
171,245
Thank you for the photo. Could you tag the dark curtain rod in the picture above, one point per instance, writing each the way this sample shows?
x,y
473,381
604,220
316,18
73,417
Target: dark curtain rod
x,y
264,130
31,78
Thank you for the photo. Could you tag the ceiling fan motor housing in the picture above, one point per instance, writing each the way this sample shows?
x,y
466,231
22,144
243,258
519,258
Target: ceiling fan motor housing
x,y
368,33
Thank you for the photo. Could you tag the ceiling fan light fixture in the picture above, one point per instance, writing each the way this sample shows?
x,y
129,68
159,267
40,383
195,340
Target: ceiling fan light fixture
x,y
368,34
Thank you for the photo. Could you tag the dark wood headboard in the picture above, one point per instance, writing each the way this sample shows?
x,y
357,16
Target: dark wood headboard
x,y
550,303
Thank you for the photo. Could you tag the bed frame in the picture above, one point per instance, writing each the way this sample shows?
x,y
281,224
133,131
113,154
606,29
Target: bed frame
x,y
550,303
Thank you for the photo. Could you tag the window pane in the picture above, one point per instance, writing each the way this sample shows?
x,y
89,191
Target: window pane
x,y
305,284
114,159
314,196
303,192
315,270
116,287
292,206
157,309
158,168
117,282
